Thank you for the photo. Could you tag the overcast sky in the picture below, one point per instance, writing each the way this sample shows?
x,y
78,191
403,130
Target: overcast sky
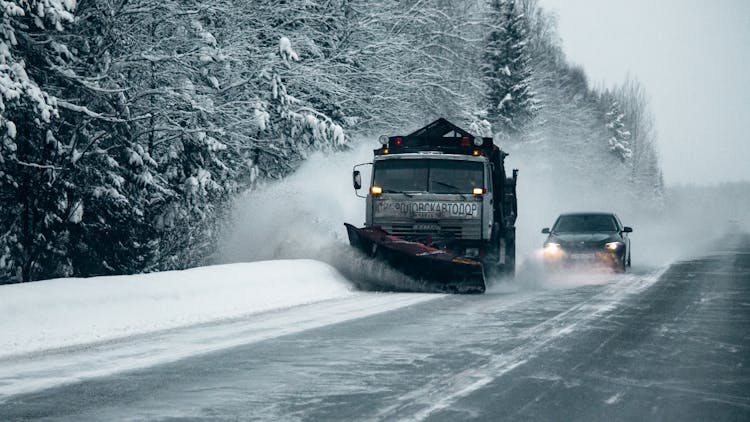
x,y
693,58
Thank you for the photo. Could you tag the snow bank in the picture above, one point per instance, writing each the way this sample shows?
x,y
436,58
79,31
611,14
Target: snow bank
x,y
65,312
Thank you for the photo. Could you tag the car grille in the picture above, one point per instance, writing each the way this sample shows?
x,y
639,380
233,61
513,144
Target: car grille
x,y
582,246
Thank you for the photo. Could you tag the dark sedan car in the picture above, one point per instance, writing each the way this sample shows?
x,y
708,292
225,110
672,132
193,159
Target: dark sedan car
x,y
588,238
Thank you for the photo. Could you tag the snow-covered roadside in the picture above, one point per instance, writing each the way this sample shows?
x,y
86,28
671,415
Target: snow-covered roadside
x,y
64,312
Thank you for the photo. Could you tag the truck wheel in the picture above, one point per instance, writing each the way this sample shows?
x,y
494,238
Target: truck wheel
x,y
510,257
491,261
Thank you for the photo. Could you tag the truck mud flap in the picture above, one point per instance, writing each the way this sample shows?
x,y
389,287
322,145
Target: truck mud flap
x,y
439,270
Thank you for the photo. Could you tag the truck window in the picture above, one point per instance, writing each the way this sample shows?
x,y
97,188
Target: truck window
x,y
434,176
401,175
450,176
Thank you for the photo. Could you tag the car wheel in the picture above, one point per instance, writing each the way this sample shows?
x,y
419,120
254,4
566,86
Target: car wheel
x,y
620,266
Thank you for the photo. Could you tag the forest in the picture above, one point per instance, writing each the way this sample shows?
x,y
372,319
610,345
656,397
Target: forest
x,y
130,126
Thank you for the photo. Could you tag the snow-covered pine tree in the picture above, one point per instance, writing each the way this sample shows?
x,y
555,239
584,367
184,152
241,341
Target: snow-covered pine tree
x,y
567,138
137,153
447,43
320,34
406,63
34,206
645,170
279,73
510,100
618,133
208,92
106,168
294,128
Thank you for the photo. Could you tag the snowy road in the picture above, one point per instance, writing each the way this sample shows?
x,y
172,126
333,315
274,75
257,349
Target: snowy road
x,y
666,344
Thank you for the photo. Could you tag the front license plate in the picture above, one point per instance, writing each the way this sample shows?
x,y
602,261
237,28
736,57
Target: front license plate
x,y
426,227
583,256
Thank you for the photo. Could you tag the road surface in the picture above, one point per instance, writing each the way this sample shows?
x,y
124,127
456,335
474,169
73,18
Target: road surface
x,y
662,344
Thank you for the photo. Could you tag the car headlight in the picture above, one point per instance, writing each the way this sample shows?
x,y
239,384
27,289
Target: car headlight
x,y
552,247
613,246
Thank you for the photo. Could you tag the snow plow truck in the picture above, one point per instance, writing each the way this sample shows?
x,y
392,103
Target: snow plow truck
x,y
440,208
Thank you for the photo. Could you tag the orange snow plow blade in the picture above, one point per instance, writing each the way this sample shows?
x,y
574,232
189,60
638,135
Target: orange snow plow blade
x,y
439,270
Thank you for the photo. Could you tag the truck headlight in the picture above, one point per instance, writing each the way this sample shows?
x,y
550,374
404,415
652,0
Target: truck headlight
x,y
612,246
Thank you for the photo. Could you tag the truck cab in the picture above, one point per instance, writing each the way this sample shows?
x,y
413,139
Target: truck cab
x,y
443,198
444,187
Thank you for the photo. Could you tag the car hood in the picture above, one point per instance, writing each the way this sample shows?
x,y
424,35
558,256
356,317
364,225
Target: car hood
x,y
584,237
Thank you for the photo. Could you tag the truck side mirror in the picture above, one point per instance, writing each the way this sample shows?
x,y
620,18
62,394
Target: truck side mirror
x,y
545,230
357,179
627,229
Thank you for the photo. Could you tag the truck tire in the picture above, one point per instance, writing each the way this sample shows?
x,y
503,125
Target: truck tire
x,y
491,261
510,257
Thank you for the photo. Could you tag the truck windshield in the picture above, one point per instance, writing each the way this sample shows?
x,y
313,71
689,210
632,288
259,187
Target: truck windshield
x,y
585,223
435,176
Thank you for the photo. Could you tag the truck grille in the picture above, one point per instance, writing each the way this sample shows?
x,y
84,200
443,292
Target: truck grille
x,y
466,231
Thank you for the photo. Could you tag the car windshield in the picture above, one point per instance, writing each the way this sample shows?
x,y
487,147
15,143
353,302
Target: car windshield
x,y
435,176
585,223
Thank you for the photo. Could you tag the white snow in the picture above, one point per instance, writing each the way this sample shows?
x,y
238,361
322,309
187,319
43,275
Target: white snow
x,y
615,398
11,129
301,216
75,155
286,50
338,134
135,159
262,118
505,99
40,371
66,312
214,82
77,215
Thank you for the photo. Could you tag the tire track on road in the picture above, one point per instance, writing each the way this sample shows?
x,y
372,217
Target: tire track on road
x,y
441,393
